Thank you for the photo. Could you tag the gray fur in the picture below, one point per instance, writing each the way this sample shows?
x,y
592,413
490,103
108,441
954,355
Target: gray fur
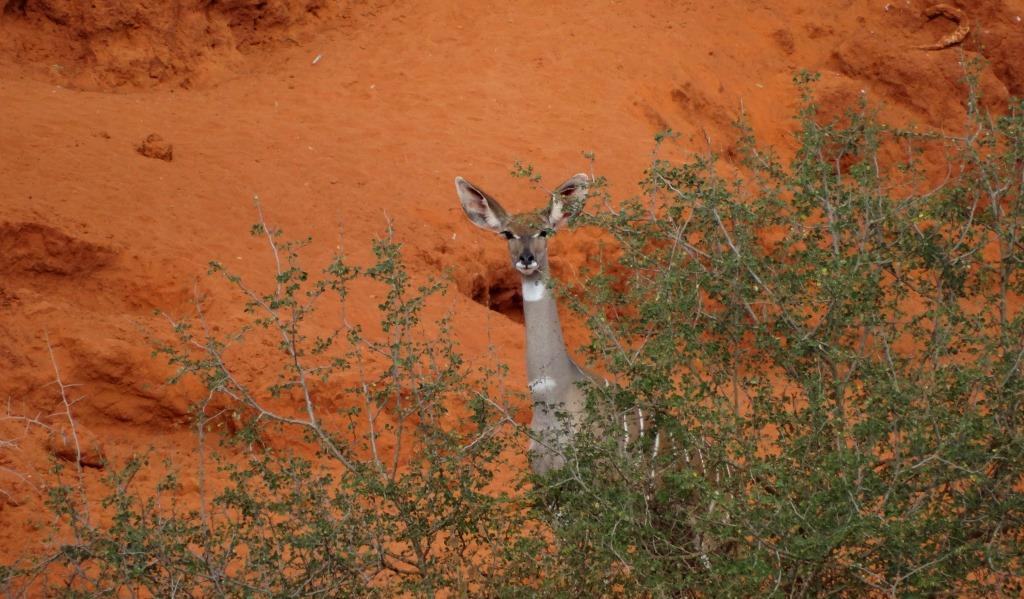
x,y
557,411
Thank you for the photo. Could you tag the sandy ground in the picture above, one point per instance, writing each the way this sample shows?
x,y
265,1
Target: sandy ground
x,y
345,116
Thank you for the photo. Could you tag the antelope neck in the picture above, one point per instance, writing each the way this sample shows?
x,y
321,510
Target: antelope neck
x,y
546,356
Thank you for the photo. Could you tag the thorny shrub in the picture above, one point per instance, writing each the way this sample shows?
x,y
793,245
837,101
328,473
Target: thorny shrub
x,y
395,499
830,350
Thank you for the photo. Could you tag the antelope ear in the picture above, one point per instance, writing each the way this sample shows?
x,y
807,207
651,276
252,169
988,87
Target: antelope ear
x,y
482,209
566,198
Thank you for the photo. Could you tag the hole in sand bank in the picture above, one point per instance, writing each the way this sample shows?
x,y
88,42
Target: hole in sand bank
x,y
501,291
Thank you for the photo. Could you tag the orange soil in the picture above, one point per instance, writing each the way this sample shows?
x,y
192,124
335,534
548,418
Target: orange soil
x,y
94,235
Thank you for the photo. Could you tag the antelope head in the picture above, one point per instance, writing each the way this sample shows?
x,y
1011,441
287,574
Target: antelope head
x,y
527,233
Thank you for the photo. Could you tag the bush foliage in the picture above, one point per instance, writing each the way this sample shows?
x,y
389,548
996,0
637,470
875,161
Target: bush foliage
x,y
830,347
836,356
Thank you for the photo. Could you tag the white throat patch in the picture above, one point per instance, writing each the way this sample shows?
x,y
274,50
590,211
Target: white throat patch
x,y
544,383
533,289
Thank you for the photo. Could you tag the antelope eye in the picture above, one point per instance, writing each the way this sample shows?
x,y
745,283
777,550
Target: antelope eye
x,y
508,235
544,232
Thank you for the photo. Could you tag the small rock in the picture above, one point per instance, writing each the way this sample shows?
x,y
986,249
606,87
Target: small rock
x,y
61,443
154,146
14,494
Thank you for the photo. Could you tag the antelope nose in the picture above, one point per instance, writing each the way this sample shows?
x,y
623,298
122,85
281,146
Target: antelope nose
x,y
526,258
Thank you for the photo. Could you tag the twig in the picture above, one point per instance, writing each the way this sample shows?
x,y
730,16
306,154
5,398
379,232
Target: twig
x,y
74,432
